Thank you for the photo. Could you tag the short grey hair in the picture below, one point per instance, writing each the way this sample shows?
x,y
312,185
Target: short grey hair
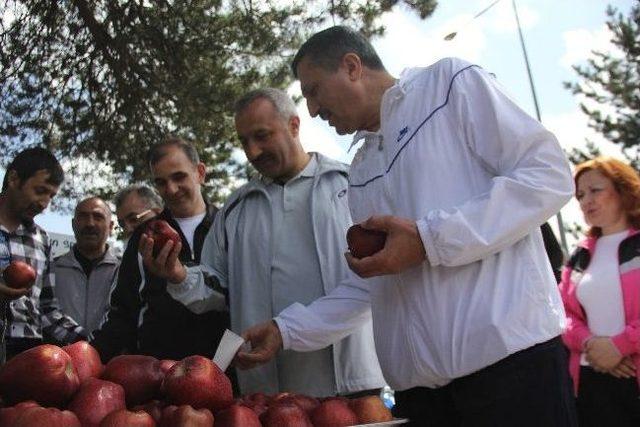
x,y
146,193
280,100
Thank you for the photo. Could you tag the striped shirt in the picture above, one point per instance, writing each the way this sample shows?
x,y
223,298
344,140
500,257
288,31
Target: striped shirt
x,y
37,314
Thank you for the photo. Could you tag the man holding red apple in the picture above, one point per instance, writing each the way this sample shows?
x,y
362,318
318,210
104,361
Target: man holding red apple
x,y
143,318
278,240
467,314
31,311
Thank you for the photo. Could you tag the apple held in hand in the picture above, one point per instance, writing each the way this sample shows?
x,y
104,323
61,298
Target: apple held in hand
x,y
19,275
363,242
161,233
44,373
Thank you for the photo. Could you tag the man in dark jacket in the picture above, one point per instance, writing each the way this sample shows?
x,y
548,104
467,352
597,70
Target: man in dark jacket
x,y
143,318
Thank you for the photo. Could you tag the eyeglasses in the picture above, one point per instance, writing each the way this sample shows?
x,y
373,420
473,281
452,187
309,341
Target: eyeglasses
x,y
133,218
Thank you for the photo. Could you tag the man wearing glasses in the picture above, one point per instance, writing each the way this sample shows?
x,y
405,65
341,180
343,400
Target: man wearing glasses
x,y
136,204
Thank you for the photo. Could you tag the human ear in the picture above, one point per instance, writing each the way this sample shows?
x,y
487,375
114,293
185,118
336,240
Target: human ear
x,y
353,65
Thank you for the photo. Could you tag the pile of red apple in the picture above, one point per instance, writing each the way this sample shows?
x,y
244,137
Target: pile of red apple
x,y
70,387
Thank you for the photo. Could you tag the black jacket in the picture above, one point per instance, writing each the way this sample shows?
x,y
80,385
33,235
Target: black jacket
x,y
144,319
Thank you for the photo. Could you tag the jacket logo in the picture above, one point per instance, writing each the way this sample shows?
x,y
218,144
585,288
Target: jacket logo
x,y
402,133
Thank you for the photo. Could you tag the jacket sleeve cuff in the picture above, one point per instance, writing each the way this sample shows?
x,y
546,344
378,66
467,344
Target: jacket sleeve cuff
x,y
428,242
284,332
624,344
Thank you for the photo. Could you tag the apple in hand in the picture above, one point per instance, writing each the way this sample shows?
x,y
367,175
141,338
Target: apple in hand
x,y
95,400
124,418
370,409
161,233
363,242
333,413
139,375
44,373
19,275
86,360
186,416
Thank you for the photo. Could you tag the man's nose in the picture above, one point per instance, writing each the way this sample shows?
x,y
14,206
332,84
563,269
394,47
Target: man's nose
x,y
252,150
172,188
313,107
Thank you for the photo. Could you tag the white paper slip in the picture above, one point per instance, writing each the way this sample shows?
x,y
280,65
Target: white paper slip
x,y
229,345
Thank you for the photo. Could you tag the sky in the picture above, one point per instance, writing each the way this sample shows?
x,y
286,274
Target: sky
x,y
557,33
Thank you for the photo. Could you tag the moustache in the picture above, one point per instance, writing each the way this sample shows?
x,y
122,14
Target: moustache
x,y
89,231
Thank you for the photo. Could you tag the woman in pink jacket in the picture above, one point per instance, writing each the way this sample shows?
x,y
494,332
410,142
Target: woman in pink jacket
x,y
601,292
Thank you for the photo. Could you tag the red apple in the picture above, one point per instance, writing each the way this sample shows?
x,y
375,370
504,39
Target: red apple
x,y
237,415
167,364
161,233
258,408
139,375
363,242
19,275
186,416
37,416
44,373
95,400
153,408
124,418
9,415
257,398
285,414
307,403
333,413
198,382
370,409
86,360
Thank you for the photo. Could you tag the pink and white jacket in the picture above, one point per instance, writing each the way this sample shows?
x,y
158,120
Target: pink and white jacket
x,y
577,330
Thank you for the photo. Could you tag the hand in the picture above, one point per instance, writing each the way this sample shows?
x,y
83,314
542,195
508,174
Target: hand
x,y
625,369
166,265
402,250
602,354
8,294
265,340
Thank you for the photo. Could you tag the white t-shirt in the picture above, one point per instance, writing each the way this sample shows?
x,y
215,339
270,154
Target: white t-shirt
x,y
600,291
188,227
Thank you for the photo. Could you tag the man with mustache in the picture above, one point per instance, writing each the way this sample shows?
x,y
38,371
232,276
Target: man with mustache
x,y
32,179
279,240
84,275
